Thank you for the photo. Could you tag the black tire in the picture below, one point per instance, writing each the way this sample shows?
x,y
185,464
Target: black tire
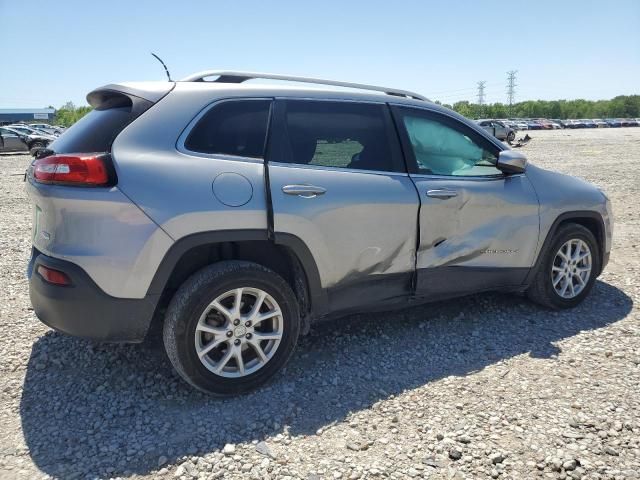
x,y
191,300
511,136
541,290
37,144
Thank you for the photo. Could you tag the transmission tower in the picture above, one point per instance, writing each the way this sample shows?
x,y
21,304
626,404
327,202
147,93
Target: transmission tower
x,y
481,85
511,88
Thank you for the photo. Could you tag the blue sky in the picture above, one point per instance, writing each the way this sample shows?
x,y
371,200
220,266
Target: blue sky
x,y
55,51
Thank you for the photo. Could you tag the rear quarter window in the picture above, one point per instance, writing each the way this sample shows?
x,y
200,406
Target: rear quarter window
x,y
235,127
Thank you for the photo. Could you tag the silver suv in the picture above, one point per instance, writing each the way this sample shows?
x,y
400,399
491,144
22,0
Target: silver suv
x,y
231,216
498,129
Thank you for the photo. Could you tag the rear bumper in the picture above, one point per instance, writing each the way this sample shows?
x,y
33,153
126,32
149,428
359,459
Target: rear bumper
x,y
82,309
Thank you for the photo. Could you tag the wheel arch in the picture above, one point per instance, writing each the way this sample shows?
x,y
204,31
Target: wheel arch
x,y
287,255
589,219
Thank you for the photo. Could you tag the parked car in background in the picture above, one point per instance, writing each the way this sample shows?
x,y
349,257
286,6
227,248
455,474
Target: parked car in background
x,y
546,124
519,124
613,122
26,130
534,125
46,128
12,141
234,276
25,141
589,123
498,129
600,123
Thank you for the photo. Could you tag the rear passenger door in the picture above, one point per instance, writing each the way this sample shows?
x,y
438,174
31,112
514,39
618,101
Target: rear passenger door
x,y
478,227
339,184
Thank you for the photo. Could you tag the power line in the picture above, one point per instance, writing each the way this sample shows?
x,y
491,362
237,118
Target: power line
x,y
481,85
511,88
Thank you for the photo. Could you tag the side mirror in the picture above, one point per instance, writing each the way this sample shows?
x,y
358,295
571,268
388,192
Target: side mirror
x,y
511,161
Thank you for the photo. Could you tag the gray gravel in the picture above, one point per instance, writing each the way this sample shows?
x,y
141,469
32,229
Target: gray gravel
x,y
484,387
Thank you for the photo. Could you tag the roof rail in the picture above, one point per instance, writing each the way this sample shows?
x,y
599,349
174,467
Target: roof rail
x,y
239,77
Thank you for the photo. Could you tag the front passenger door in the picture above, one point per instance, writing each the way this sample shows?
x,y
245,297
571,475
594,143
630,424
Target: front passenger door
x,y
478,227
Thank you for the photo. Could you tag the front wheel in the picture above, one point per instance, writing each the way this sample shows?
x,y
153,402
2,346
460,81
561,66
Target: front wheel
x,y
230,327
568,269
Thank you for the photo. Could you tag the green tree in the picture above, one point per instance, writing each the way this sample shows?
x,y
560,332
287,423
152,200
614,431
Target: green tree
x,y
623,106
68,114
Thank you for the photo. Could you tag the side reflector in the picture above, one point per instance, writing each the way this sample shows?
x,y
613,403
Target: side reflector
x,y
53,276
73,169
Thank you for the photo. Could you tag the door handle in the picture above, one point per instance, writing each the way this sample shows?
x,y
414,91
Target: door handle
x,y
306,191
444,194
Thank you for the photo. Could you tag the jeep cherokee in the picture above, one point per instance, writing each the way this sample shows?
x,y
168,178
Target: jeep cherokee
x,y
234,214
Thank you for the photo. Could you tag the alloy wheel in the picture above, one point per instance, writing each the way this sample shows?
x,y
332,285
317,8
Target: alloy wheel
x,y
239,332
571,268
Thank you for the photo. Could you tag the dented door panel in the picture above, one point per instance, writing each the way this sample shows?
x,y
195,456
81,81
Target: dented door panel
x,y
363,226
491,223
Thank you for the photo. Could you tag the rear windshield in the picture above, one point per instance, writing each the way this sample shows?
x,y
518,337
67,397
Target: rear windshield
x,y
96,131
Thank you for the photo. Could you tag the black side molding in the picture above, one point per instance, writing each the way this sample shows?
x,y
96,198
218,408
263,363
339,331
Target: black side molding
x,y
179,248
564,217
319,299
317,295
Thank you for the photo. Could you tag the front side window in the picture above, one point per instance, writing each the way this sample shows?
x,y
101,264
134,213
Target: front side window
x,y
336,134
237,127
439,148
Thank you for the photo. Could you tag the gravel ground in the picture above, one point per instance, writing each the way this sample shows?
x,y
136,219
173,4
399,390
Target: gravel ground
x,y
487,386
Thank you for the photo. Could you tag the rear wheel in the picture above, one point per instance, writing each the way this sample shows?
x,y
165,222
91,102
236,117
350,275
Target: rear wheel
x,y
568,269
230,327
511,136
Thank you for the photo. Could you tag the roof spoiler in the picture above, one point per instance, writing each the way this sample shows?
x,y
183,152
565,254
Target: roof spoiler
x,y
114,92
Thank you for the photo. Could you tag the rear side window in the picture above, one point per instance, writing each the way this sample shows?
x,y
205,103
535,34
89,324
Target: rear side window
x,y
96,131
336,134
237,127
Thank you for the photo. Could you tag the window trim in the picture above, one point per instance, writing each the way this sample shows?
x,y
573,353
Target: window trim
x,y
182,138
476,134
337,169
278,119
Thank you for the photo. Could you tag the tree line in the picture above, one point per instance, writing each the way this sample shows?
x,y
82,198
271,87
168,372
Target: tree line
x,y
623,106
68,114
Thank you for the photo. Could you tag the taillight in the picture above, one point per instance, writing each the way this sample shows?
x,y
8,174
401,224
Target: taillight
x,y
91,169
53,276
